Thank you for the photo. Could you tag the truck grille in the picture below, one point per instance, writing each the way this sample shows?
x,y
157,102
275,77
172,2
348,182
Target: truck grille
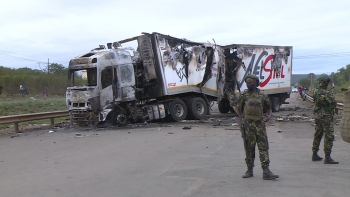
x,y
79,104
80,117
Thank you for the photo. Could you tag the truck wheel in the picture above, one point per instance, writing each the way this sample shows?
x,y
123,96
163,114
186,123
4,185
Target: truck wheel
x,y
197,108
120,119
275,104
178,110
224,106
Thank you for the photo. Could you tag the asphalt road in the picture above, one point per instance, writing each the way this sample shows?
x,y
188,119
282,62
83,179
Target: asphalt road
x,y
161,160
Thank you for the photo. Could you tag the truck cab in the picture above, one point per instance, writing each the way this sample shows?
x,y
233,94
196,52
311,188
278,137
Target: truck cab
x,y
97,81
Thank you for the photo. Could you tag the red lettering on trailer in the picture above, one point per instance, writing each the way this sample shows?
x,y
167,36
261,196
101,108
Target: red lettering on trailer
x,y
171,84
272,74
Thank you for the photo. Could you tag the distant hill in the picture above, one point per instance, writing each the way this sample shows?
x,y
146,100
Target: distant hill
x,y
296,77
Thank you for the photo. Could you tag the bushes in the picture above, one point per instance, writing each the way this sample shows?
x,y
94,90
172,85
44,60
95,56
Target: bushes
x,y
36,81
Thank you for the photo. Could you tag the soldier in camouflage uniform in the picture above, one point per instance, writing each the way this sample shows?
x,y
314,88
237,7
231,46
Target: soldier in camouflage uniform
x,y
324,111
250,112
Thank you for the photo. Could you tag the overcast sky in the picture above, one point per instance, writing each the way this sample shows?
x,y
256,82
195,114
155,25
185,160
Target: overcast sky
x,y
33,31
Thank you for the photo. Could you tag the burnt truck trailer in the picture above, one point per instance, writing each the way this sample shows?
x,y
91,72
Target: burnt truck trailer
x,y
167,77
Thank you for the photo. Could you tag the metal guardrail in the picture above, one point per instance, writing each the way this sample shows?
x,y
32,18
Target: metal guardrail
x,y
308,97
35,116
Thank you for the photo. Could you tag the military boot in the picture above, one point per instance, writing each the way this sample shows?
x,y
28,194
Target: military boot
x,y
315,157
268,175
329,160
249,173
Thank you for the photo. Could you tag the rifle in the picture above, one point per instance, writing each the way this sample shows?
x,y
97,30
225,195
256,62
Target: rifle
x,y
244,137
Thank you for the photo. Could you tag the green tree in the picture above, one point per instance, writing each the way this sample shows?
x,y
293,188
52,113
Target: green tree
x,y
58,69
304,82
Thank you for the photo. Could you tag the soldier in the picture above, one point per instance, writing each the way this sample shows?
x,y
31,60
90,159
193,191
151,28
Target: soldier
x,y
250,112
324,111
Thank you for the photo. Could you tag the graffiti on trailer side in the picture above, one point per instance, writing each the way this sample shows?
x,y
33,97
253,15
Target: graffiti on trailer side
x,y
181,73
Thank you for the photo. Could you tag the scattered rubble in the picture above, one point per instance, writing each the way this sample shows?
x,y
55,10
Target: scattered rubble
x,y
296,108
293,117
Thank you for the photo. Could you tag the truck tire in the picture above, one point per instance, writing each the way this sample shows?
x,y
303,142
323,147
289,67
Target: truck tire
x,y
178,110
224,106
275,104
120,119
197,108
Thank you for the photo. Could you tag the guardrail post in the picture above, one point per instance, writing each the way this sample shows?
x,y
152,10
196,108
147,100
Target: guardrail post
x,y
16,126
52,121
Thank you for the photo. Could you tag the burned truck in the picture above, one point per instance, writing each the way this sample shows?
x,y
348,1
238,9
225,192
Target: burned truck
x,y
167,77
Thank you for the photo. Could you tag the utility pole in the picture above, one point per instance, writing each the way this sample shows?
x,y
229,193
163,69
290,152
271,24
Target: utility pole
x,y
312,83
48,64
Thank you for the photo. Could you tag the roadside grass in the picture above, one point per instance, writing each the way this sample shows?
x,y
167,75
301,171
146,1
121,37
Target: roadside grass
x,y
16,105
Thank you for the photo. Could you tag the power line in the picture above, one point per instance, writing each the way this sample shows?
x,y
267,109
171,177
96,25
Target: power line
x,y
16,57
11,57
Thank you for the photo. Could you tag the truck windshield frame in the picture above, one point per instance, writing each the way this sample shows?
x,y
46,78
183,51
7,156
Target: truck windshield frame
x,y
82,77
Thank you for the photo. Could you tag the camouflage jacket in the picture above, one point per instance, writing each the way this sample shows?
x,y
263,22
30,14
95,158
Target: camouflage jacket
x,y
246,95
324,103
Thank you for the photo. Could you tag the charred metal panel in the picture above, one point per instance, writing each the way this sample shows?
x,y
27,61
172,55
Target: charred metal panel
x,y
208,66
125,83
128,94
106,96
94,103
80,94
147,56
189,65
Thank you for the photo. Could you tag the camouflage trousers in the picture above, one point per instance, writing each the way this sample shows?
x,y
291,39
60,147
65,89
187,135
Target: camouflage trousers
x,y
256,134
324,127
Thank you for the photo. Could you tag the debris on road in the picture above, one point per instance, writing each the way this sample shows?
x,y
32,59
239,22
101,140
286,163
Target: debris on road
x,y
187,127
164,125
280,119
292,117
